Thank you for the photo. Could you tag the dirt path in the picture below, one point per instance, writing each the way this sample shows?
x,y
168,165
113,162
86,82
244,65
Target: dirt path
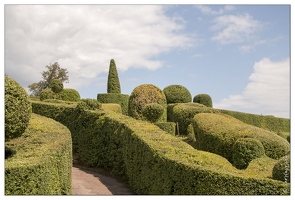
x,y
86,182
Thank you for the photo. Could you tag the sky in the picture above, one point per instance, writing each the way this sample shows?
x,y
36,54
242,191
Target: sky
x,y
238,54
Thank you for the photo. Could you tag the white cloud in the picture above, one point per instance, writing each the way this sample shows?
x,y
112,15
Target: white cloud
x,y
235,28
83,39
209,10
267,93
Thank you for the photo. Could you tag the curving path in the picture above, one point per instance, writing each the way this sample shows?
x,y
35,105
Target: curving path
x,y
86,182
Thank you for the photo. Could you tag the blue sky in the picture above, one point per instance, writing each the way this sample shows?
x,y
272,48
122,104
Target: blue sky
x,y
238,54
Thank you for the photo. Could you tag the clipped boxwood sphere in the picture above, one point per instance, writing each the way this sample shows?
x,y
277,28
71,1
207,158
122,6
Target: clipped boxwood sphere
x,y
245,150
46,94
69,94
204,99
281,170
177,94
18,109
145,94
56,86
152,111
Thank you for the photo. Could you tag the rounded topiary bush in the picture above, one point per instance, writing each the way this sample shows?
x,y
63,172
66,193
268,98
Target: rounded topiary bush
x,y
245,150
145,94
281,170
152,111
204,99
177,94
88,104
46,94
56,86
18,109
69,94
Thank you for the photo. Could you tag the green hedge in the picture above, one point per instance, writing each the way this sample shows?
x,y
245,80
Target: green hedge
x,y
121,99
268,122
169,127
177,94
66,94
112,106
204,99
155,162
42,163
183,113
217,133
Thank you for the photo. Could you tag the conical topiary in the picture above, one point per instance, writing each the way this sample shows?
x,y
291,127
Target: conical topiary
x,y
113,79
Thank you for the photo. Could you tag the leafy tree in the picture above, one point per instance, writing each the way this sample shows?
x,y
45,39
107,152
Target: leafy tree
x,y
113,79
54,71
56,86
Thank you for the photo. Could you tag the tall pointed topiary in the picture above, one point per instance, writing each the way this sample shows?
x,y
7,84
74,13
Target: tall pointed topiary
x,y
113,79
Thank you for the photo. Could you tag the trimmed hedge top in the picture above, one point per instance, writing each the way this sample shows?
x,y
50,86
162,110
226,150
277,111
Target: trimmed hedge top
x,y
177,94
217,133
113,79
17,109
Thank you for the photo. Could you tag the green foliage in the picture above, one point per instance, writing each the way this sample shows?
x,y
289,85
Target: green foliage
x,y
190,133
66,94
17,109
245,150
217,133
281,170
69,94
183,113
53,71
268,122
113,79
89,104
42,164
56,86
121,99
204,99
145,94
177,94
169,127
112,106
155,162
152,112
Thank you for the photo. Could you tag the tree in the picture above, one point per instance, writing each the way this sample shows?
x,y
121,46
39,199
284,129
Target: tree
x,y
54,71
113,79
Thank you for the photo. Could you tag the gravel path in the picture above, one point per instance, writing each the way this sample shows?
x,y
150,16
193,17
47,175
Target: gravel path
x,y
86,182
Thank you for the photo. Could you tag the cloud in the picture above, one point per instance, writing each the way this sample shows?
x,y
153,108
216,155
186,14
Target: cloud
x,y
210,11
83,39
235,28
267,93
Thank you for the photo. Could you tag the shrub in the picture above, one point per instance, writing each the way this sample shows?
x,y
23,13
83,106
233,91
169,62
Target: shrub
x,y
155,162
281,170
121,99
88,104
69,94
169,127
177,94
56,85
17,109
112,106
204,99
152,112
145,94
217,133
183,113
113,79
268,122
46,94
245,150
42,164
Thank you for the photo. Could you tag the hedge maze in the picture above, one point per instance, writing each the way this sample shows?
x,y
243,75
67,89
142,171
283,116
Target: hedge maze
x,y
141,138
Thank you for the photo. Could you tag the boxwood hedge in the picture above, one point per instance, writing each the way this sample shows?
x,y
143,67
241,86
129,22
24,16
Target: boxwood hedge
x,y
42,163
217,133
154,162
121,99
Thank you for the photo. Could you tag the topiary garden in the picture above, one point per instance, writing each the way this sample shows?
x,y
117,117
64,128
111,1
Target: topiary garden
x,y
140,138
